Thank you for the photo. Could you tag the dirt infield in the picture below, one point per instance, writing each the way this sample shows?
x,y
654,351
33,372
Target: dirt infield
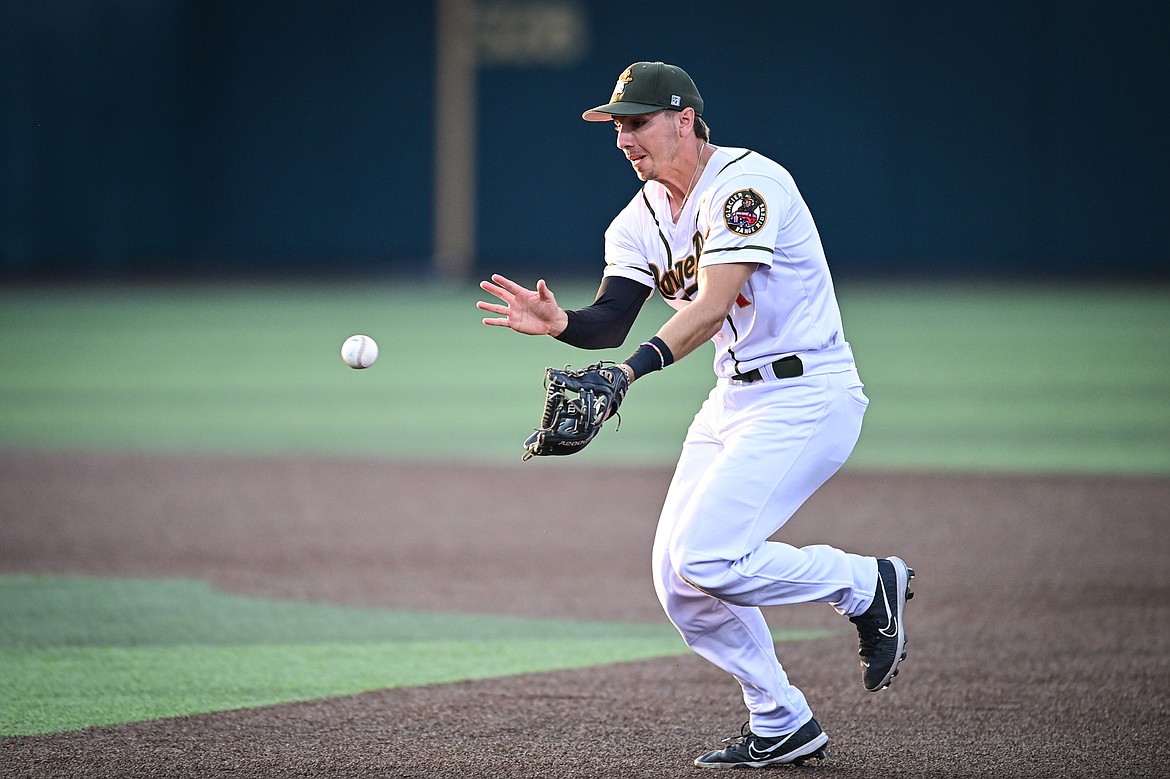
x,y
1039,638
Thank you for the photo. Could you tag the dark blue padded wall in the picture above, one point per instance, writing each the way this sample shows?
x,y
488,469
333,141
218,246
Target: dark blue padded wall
x,y
930,139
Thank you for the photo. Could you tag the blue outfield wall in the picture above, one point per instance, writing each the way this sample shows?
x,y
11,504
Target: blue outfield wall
x,y
930,139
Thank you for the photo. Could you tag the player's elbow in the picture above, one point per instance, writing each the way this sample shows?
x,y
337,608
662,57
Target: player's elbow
x,y
709,319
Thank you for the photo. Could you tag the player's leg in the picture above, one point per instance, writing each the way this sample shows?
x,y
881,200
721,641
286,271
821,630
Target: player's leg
x,y
738,640
781,442
734,638
769,464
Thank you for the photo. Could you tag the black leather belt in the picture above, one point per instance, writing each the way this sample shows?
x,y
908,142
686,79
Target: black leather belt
x,y
786,368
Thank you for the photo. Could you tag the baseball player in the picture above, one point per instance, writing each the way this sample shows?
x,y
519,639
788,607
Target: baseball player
x,y
726,239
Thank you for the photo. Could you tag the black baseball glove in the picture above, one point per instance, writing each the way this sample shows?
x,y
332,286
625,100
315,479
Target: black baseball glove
x,y
576,403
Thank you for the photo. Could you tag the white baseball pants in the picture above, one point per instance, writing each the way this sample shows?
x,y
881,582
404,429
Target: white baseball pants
x,y
752,456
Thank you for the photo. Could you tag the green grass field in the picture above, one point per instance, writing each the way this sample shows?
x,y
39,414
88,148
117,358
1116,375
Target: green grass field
x,y
981,377
961,377
80,652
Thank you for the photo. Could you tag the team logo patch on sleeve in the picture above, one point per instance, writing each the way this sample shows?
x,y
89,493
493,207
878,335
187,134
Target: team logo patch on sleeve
x,y
745,212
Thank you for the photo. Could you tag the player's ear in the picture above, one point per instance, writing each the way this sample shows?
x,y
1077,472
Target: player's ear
x,y
686,122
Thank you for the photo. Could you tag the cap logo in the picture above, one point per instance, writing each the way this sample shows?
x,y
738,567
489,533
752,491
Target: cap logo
x,y
675,100
620,87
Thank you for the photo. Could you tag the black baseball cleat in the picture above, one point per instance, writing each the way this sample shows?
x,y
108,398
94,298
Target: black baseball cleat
x,y
881,627
747,750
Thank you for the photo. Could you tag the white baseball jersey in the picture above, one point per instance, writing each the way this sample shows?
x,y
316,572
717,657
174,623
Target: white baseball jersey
x,y
744,208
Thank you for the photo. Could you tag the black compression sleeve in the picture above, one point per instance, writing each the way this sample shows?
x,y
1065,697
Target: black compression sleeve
x,y
607,322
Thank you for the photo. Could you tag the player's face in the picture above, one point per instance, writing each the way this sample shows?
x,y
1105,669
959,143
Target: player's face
x,y
650,142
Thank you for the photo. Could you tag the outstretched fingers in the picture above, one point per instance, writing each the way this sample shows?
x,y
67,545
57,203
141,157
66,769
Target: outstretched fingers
x,y
493,308
508,292
505,285
533,312
498,292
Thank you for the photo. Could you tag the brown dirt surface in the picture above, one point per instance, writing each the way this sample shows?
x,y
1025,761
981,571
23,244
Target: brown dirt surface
x,y
1039,637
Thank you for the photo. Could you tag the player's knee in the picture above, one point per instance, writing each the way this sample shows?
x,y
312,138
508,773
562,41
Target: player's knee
x,y
714,577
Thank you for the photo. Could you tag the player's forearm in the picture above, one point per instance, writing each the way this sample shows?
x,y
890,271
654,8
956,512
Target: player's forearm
x,y
719,286
584,332
606,323
692,327
685,330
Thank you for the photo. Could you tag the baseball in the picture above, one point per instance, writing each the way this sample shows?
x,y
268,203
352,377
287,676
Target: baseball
x,y
359,351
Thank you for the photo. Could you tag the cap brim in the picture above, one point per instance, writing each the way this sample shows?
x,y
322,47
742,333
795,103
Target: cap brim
x,y
604,113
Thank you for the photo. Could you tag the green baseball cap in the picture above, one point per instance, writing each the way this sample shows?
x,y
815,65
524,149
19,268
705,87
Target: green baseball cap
x,y
645,87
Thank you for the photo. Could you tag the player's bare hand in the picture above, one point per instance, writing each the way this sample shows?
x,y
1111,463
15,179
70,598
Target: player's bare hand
x,y
532,312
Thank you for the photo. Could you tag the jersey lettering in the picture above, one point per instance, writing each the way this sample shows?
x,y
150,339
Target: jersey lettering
x,y
682,276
